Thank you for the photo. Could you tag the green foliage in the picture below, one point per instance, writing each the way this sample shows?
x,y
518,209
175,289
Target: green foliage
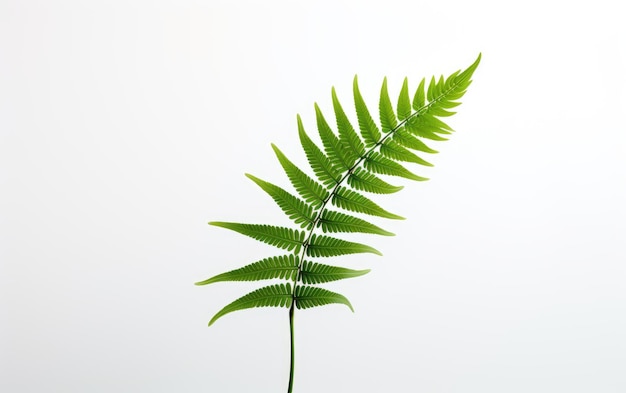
x,y
347,165
279,295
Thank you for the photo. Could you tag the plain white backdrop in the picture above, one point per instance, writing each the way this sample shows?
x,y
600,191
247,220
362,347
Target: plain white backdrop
x,y
125,126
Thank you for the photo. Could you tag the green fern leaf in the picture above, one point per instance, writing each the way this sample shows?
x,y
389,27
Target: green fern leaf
x,y
419,100
279,295
352,201
429,121
307,297
404,102
282,267
394,150
352,144
325,171
388,118
363,180
295,208
422,128
332,145
430,92
317,273
377,163
439,86
310,190
406,139
369,129
439,111
348,156
326,246
285,238
334,222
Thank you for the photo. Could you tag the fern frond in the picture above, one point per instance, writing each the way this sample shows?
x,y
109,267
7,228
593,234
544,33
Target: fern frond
x,y
394,150
282,267
404,102
369,129
377,163
388,118
352,201
310,190
333,222
325,171
281,237
307,297
332,146
317,273
352,144
363,180
326,246
355,157
295,208
278,295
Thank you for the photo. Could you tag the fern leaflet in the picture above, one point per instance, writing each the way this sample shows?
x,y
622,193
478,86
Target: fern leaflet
x,y
317,273
279,295
283,267
307,297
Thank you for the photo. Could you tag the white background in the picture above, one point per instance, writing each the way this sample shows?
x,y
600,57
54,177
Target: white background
x,y
126,126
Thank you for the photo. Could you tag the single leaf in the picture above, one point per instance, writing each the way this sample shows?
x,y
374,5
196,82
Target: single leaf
x,y
437,110
353,201
407,139
325,171
388,118
307,297
433,123
310,190
363,180
369,129
334,222
420,127
419,100
295,208
282,267
352,144
271,296
317,273
404,102
430,93
285,238
377,163
394,150
326,246
332,145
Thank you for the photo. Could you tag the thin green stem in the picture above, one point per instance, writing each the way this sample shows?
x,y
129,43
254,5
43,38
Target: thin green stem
x,y
291,367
